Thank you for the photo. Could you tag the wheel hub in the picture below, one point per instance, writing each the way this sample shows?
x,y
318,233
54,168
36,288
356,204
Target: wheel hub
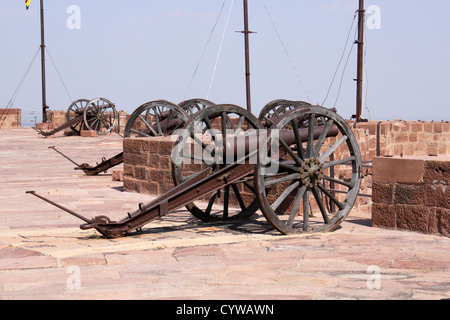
x,y
311,172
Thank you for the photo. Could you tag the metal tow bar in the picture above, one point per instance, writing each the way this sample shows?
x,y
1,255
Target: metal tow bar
x,y
202,184
89,170
59,206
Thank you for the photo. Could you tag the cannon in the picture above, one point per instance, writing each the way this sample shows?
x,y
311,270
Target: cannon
x,y
287,170
98,114
152,119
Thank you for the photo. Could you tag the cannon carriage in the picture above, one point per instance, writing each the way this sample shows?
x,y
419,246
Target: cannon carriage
x,y
99,115
227,164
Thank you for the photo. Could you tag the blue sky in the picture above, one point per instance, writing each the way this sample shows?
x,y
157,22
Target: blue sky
x,y
132,52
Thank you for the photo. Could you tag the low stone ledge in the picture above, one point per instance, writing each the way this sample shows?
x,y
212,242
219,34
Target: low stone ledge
x,y
412,193
88,133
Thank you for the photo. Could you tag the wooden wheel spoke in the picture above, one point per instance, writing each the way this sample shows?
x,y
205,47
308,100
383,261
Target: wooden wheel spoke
x,y
177,127
298,140
249,186
239,126
158,121
141,133
331,196
238,196
283,165
168,120
291,153
333,148
283,179
306,211
296,205
310,146
103,124
192,157
148,125
96,107
345,161
344,183
322,136
223,119
211,131
211,203
226,200
269,120
322,208
94,124
284,195
99,125
198,141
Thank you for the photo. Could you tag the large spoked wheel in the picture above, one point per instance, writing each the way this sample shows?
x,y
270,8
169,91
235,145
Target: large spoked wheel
x,y
308,175
100,115
75,110
195,105
201,146
276,109
156,119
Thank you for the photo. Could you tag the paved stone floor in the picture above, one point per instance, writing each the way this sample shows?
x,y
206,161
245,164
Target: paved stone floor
x,y
44,254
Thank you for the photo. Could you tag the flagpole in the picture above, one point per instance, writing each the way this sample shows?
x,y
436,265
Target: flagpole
x,y
247,56
360,42
44,94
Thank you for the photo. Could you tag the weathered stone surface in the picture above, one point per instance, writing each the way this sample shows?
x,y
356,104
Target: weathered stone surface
x,y
409,194
384,215
398,170
382,192
417,204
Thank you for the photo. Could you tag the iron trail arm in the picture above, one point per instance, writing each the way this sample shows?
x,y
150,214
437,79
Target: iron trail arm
x,y
89,170
202,184
104,166
66,125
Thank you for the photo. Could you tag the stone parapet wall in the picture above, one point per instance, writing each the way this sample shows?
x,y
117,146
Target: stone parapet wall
x,y
10,118
412,193
397,139
402,138
57,118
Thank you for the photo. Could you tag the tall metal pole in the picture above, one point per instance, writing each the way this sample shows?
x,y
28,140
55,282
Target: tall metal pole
x,y
359,93
44,94
247,56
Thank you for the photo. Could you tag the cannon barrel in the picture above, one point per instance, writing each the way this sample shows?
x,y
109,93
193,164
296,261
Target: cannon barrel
x,y
237,147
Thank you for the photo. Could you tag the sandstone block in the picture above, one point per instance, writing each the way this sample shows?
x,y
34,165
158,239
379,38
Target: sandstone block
x,y
88,133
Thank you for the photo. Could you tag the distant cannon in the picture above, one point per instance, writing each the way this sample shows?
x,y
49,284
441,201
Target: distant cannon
x,y
99,115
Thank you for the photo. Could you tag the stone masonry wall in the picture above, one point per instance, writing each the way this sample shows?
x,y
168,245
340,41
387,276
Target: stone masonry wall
x,y
10,118
412,193
403,138
397,138
147,165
